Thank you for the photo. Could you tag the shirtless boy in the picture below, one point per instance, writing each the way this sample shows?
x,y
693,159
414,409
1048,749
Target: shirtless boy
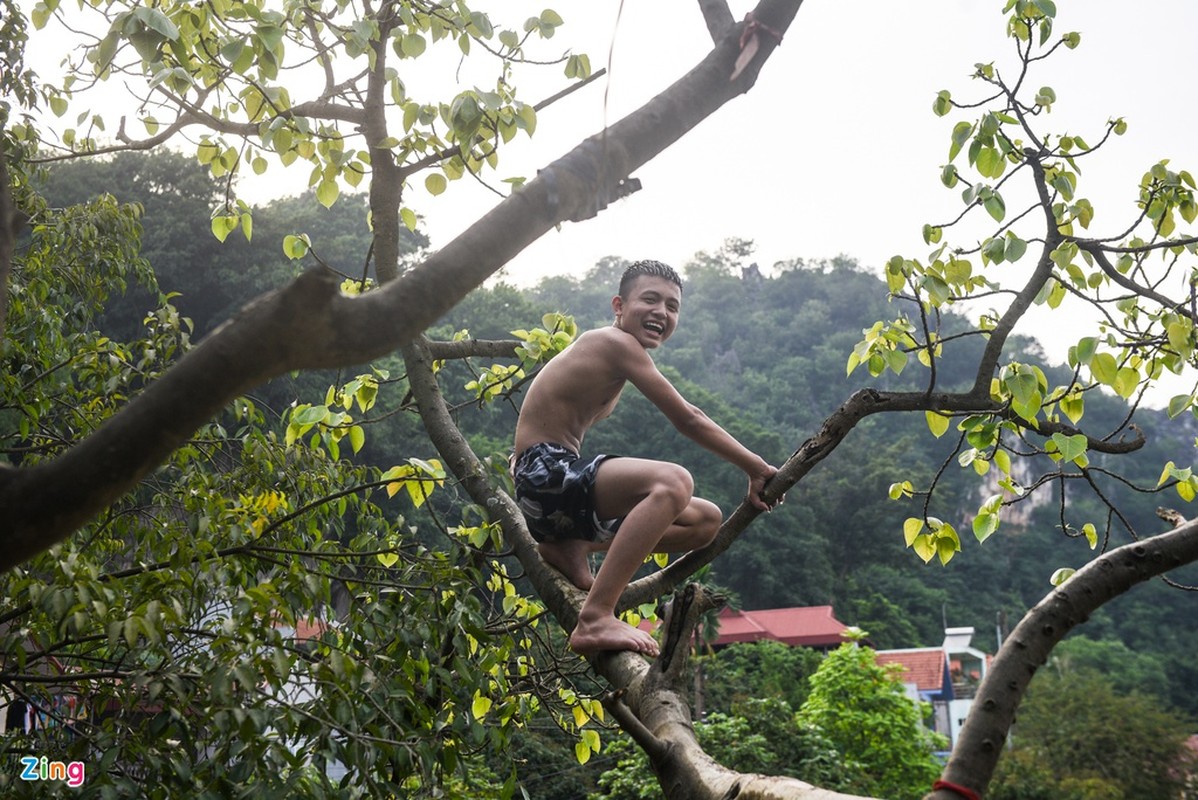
x,y
574,506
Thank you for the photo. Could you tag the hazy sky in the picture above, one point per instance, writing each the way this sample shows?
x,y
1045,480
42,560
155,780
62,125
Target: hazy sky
x,y
836,149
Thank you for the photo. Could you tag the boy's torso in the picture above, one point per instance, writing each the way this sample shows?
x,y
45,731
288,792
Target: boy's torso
x,y
579,387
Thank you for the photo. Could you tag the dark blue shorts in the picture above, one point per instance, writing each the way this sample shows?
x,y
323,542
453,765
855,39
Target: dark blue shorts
x,y
555,492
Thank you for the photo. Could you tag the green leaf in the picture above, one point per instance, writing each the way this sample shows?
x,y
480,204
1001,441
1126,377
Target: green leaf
x,y
961,134
1127,380
924,547
1085,349
948,176
327,192
984,525
995,206
1073,406
896,360
295,246
154,19
480,706
1091,534
1166,473
1016,247
411,45
1104,368
1179,403
1070,447
937,422
435,183
1179,337
357,438
943,103
1061,575
582,752
946,548
223,225
912,527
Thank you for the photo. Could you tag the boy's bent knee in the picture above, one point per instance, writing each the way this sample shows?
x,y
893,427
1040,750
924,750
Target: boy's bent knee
x,y
676,482
710,519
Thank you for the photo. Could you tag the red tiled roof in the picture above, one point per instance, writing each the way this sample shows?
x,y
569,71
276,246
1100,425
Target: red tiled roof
x,y
307,629
924,667
813,626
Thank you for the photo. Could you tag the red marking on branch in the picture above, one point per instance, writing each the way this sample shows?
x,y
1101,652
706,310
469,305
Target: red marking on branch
x,y
753,26
964,791
750,42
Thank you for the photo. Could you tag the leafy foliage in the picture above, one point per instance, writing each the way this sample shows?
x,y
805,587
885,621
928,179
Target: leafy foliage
x,y
865,714
1078,738
285,629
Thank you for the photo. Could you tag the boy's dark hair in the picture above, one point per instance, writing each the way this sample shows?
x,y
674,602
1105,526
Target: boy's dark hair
x,y
654,269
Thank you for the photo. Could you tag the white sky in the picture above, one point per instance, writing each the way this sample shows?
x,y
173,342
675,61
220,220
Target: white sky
x,y
835,151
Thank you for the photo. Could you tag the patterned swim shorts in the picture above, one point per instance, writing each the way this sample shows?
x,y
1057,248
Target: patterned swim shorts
x,y
554,488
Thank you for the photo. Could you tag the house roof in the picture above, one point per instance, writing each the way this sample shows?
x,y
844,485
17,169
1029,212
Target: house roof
x,y
812,626
924,666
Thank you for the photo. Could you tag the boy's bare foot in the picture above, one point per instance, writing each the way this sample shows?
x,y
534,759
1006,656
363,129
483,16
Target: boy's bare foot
x,y
569,557
605,632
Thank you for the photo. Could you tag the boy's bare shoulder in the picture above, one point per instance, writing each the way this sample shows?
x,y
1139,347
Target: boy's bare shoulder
x,y
610,338
608,350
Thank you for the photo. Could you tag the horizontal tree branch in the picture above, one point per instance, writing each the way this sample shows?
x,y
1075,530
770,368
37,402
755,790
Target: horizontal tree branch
x,y
473,348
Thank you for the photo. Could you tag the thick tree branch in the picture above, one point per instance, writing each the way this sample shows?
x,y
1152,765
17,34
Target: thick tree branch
x,y
309,324
982,738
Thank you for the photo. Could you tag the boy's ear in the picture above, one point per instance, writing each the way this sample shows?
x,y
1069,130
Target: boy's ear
x,y
617,305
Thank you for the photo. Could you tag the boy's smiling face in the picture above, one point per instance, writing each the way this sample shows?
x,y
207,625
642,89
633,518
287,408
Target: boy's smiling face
x,y
650,311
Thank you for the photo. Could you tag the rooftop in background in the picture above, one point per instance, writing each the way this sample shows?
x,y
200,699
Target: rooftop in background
x,y
812,626
925,667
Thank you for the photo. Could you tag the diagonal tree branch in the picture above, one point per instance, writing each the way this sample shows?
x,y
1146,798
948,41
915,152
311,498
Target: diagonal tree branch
x,y
982,738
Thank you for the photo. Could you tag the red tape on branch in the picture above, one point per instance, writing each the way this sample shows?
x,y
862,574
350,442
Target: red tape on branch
x,y
752,26
964,791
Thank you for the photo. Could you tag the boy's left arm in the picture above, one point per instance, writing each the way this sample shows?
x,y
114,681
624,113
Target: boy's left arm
x,y
690,420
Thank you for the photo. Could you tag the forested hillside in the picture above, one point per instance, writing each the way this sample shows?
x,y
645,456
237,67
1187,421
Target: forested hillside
x,y
763,350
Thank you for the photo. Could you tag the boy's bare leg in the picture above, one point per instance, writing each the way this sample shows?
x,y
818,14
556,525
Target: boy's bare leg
x,y
571,558
654,498
694,528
